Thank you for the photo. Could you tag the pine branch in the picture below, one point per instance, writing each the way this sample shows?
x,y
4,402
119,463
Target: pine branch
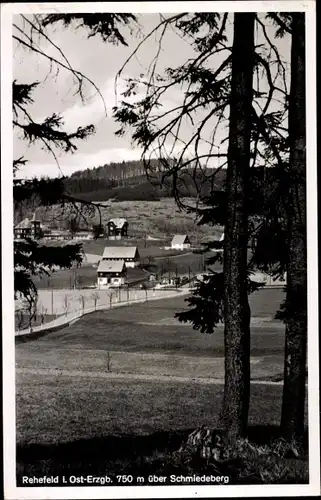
x,y
285,28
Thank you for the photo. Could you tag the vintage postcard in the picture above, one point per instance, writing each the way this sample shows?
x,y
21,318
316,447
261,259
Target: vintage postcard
x,y
159,250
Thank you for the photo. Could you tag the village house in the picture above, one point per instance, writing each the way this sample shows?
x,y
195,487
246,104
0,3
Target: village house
x,y
28,229
180,242
111,273
128,254
117,229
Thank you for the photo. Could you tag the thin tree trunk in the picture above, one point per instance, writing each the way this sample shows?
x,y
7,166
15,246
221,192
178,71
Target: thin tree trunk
x,y
292,421
234,413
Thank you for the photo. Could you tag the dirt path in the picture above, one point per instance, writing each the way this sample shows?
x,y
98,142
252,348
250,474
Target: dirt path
x,y
131,376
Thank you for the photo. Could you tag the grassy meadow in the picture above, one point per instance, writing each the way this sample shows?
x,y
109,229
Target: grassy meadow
x,y
118,391
72,425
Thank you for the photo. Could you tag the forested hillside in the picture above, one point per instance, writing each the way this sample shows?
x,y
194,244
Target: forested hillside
x,y
127,181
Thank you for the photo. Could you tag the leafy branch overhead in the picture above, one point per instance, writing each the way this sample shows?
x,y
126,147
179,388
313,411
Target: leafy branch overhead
x,y
104,24
49,130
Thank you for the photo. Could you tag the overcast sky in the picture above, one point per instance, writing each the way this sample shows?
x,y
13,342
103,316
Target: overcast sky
x,y
99,61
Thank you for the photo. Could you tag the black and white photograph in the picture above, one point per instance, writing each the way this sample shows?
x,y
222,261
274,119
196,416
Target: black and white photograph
x,y
159,250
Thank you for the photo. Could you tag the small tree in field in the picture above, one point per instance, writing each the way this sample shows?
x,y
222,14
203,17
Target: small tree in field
x,y
82,300
20,318
30,305
145,288
73,226
95,297
66,303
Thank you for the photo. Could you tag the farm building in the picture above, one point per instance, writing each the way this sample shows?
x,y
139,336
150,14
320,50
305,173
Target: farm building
x,y
129,254
57,234
117,229
82,235
28,229
111,273
181,242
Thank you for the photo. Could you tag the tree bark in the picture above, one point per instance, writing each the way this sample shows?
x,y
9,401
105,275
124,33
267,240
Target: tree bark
x,y
234,415
292,420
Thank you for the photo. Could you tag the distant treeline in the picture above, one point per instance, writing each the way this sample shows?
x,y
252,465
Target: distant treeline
x,y
126,181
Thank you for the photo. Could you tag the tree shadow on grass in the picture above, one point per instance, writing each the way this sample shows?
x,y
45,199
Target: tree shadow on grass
x,y
113,455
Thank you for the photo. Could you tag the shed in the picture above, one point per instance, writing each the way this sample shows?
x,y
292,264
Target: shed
x,y
181,242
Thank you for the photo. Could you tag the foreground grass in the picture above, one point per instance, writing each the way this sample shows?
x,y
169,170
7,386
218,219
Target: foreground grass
x,y
75,425
55,409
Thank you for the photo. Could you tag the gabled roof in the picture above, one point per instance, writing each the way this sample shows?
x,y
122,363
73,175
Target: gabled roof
x,y
119,222
120,252
111,266
180,239
24,224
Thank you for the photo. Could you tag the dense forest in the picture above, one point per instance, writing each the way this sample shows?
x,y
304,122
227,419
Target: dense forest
x,y
126,181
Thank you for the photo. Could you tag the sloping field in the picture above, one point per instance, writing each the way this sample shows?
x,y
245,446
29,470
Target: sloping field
x,y
147,218
146,338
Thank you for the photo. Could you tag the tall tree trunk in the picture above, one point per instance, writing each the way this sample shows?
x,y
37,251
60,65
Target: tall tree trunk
x,y
234,413
292,421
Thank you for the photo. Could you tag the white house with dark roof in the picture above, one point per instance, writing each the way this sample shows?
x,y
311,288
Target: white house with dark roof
x,y
180,242
117,228
111,273
129,255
